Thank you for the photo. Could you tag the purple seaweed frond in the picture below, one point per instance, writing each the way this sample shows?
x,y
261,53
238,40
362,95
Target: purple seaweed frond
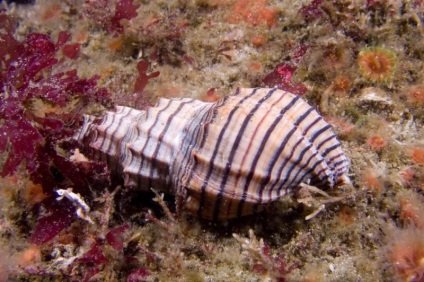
x,y
281,77
108,16
40,109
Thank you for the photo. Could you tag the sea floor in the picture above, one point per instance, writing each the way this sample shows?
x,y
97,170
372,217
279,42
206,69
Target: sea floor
x,y
63,217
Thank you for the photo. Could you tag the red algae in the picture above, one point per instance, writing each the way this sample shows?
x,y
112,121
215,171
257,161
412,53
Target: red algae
x,y
32,139
109,14
94,255
312,10
137,275
37,54
124,9
71,50
281,78
115,237
143,77
60,216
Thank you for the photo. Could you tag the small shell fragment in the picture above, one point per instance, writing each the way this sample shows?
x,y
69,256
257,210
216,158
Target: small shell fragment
x,y
372,98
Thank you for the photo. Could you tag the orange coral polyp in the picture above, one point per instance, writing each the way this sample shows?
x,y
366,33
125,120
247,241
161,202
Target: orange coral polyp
x,y
341,83
417,155
406,254
416,94
377,142
377,64
253,12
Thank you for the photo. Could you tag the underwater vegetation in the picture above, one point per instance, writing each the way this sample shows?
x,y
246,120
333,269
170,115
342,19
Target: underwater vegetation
x,y
38,111
64,216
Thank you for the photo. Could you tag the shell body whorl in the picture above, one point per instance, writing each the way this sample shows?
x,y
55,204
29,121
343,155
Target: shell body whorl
x,y
227,158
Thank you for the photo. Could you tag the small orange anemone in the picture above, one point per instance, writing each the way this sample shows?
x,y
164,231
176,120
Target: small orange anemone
x,y
377,64
377,142
415,94
253,12
417,155
342,83
405,252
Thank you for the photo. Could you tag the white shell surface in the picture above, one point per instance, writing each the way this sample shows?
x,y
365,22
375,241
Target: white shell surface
x,y
223,159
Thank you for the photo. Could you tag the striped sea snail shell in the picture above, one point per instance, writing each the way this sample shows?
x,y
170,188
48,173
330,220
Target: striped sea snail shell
x,y
224,159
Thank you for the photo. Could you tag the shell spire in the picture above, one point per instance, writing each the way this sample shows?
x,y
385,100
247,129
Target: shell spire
x,y
224,159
